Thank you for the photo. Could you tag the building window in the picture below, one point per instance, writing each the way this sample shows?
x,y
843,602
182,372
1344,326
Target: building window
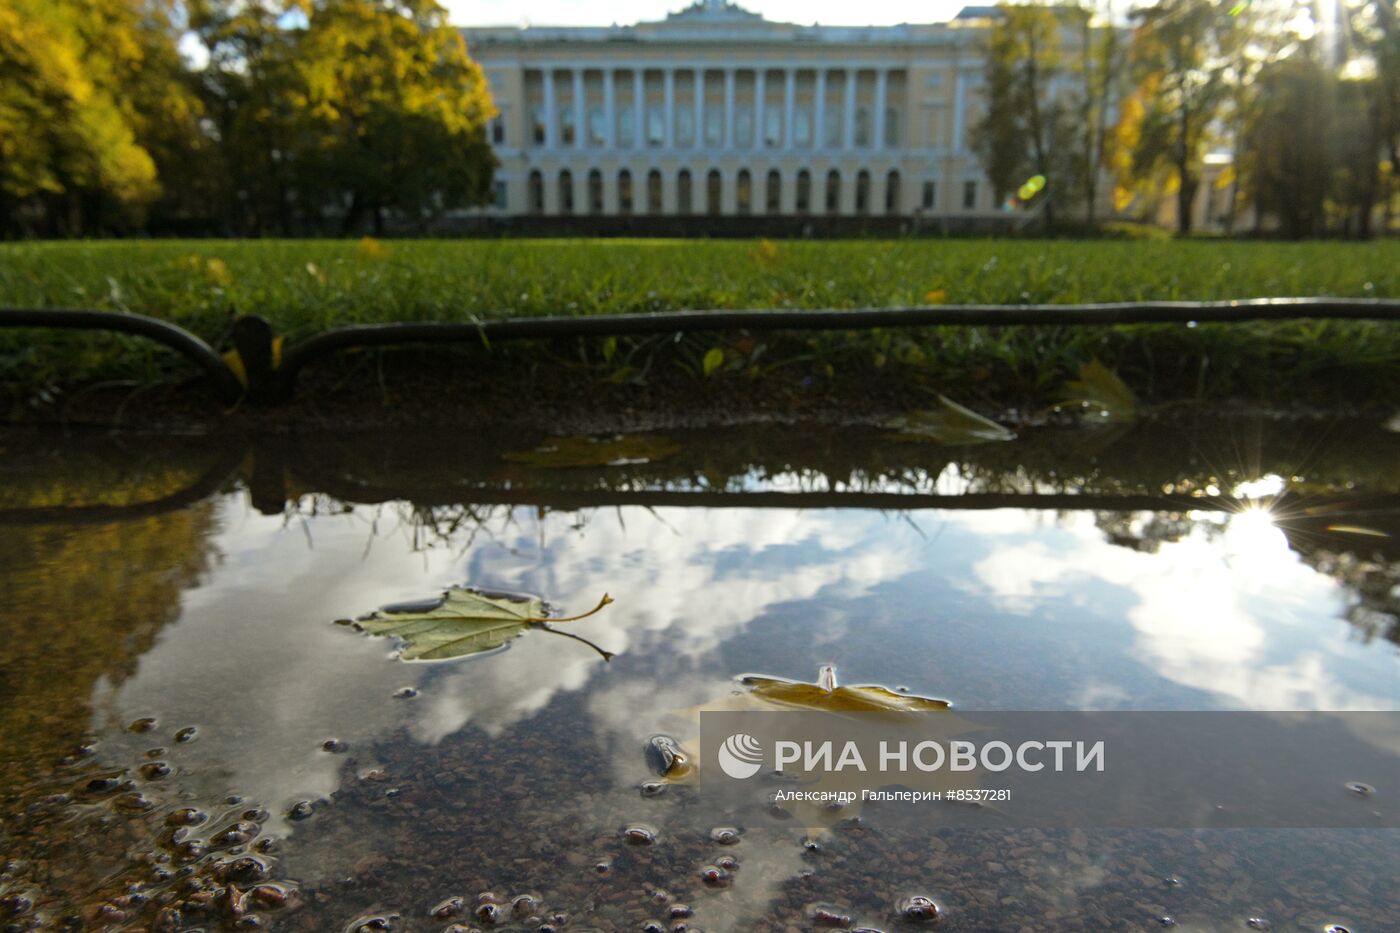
x,y
802,126
714,191
892,127
685,127
833,191
498,195
714,126
656,126
624,126
566,192
804,191
498,130
683,196
773,132
892,193
535,196
595,192
930,198
833,127
935,128
773,196
597,126
862,126
969,195
743,192
654,205
567,130
743,127
537,130
624,192
863,192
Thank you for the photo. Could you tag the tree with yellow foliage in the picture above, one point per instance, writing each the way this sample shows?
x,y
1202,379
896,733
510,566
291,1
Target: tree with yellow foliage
x,y
72,158
1180,53
396,111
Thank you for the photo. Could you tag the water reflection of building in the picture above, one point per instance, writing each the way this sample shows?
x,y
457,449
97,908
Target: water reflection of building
x,y
715,111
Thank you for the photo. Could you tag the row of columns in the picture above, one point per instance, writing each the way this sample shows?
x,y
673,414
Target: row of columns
x,y
639,134
551,189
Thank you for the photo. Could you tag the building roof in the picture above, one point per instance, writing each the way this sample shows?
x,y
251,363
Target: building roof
x,y
717,21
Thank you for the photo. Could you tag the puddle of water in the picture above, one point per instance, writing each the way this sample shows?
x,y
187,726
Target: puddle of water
x,y
190,741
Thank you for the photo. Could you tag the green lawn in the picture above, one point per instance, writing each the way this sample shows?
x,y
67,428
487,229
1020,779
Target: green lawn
x,y
305,286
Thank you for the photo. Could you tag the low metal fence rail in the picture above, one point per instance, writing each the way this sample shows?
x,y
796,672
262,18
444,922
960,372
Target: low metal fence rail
x,y
268,376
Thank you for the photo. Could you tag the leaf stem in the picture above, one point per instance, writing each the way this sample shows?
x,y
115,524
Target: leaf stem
x,y
607,655
601,603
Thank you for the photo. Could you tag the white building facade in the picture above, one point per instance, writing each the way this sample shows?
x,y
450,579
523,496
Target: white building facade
x,y
716,112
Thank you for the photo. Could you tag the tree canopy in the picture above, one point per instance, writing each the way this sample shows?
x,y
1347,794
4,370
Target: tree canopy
x,y
293,114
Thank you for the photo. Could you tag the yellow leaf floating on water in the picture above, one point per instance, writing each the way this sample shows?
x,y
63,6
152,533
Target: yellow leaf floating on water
x,y
1101,391
827,696
875,707
464,621
949,423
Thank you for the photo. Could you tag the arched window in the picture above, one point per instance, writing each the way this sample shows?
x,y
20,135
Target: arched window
x,y
773,196
743,192
595,192
863,192
804,191
566,192
535,195
714,192
653,192
683,194
833,192
892,193
624,192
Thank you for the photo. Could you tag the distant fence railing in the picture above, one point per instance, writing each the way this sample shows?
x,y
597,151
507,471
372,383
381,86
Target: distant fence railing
x,y
270,376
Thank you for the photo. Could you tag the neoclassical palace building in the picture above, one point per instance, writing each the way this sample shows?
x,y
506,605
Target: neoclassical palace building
x,y
717,112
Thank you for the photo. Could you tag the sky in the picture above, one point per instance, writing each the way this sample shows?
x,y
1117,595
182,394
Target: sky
x,y
625,12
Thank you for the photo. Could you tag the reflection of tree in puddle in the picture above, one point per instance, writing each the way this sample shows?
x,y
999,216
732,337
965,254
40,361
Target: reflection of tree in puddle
x,y
84,603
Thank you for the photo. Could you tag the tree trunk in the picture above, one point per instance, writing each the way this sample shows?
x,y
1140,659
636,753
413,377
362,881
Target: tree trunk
x,y
1185,194
352,215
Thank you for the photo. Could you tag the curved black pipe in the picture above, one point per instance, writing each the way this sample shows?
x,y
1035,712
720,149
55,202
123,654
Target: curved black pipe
x,y
225,384
673,322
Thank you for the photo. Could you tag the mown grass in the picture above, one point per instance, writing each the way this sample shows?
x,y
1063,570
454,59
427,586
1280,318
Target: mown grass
x,y
305,286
